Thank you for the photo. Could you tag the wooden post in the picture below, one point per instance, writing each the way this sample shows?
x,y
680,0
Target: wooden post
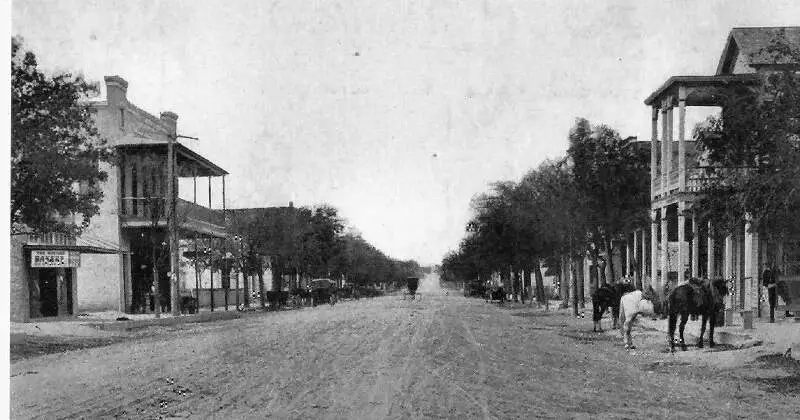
x,y
211,260
61,291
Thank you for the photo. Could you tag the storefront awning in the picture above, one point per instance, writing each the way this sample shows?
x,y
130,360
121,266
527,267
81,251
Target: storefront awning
x,y
60,242
84,249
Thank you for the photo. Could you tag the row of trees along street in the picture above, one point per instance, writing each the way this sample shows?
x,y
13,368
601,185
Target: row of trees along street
x,y
576,206
563,208
298,242
55,146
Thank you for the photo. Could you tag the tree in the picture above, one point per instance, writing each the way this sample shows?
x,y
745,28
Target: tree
x,y
56,150
751,152
612,178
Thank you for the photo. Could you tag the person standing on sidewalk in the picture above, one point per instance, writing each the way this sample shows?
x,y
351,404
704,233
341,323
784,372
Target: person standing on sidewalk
x,y
782,292
768,280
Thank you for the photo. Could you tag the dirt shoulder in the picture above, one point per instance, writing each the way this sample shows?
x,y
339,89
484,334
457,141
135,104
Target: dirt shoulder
x,y
438,357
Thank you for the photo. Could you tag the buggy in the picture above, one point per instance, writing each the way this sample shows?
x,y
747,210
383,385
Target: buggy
x,y
323,291
412,283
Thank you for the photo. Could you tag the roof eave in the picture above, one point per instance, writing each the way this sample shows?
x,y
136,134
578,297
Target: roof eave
x,y
186,152
725,52
747,78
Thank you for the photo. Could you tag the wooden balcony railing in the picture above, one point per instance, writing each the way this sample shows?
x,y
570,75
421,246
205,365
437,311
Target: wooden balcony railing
x,y
147,209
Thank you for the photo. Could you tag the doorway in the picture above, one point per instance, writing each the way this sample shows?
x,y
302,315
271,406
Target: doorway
x,y
49,293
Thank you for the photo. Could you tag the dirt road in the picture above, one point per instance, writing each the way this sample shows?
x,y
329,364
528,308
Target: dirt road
x,y
438,357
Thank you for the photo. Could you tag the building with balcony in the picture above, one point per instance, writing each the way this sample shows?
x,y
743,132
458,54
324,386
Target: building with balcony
x,y
682,244
116,265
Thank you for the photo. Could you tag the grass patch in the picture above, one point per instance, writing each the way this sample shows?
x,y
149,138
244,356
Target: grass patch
x,y
34,346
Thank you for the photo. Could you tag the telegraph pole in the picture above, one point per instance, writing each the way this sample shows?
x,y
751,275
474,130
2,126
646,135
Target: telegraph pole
x,y
172,199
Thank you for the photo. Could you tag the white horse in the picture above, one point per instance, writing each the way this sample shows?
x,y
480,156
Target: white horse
x,y
631,305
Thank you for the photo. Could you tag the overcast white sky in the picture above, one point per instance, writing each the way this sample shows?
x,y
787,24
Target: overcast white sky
x,y
395,112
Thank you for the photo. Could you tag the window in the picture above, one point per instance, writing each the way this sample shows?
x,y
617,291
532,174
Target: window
x,y
122,118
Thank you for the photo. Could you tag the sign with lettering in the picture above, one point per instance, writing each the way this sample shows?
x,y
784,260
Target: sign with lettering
x,y
53,258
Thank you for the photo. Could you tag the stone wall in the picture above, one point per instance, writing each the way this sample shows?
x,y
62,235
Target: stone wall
x,y
18,282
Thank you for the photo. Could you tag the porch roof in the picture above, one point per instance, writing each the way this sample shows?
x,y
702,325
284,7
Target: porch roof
x,y
190,163
715,82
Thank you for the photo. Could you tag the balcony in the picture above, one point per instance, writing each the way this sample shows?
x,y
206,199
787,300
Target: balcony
x,y
145,211
695,178
655,184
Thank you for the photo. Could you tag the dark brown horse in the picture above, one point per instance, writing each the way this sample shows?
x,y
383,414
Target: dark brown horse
x,y
695,297
608,296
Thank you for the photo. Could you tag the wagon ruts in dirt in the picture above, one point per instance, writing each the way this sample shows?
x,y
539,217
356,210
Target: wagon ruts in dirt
x,y
412,283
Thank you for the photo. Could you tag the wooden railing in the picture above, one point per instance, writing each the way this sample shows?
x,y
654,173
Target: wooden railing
x,y
143,208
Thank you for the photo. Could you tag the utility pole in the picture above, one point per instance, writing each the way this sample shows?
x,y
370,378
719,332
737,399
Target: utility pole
x,y
172,199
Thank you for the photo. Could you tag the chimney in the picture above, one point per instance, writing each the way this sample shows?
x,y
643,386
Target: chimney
x,y
170,119
116,90
291,204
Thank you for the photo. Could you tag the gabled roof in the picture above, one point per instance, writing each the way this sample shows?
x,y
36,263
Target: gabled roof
x,y
752,43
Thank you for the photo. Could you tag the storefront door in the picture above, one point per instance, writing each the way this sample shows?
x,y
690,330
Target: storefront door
x,y
49,294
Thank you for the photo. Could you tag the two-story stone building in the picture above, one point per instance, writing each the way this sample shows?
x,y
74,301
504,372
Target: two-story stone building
x,y
110,265
682,244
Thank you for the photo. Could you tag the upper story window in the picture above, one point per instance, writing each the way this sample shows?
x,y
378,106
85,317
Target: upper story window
x,y
122,118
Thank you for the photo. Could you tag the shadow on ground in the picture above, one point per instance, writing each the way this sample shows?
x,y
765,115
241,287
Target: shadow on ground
x,y
787,385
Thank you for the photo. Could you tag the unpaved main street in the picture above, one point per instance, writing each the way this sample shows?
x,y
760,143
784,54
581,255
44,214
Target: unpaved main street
x,y
438,357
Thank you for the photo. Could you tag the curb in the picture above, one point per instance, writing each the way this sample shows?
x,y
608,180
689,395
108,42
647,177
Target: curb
x,y
186,319
736,340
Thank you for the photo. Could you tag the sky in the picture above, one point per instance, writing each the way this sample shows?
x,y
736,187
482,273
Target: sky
x,y
397,113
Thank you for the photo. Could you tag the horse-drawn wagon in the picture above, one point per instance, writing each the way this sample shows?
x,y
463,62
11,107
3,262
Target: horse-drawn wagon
x,y
323,291
412,283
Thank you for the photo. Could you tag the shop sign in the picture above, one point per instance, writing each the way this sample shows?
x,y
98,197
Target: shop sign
x,y
53,258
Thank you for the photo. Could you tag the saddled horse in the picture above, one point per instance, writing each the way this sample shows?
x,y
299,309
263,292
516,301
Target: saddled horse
x,y
496,294
631,305
608,296
695,297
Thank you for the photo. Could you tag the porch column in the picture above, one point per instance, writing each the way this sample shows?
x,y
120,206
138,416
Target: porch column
x,y
209,192
645,266
665,149
710,268
681,139
61,291
695,246
681,241
655,262
728,266
194,184
750,266
628,265
664,245
653,152
141,173
637,278
127,189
